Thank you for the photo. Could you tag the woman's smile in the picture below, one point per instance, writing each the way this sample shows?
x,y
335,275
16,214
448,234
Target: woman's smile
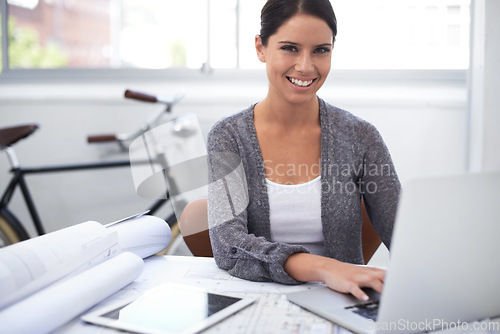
x,y
299,82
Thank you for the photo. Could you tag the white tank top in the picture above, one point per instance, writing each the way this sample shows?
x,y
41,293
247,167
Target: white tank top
x,y
295,214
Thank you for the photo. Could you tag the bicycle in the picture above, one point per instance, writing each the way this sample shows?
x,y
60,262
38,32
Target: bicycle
x,y
11,228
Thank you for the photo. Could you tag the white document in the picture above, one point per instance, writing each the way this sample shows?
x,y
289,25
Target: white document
x,y
50,308
30,265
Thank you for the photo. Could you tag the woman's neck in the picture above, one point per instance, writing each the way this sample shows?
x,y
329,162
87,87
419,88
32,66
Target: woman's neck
x,y
272,111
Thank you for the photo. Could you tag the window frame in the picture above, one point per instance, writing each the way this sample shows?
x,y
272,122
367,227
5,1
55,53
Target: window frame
x,y
4,37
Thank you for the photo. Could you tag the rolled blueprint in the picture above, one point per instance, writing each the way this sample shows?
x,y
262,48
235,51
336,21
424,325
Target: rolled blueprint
x,y
50,308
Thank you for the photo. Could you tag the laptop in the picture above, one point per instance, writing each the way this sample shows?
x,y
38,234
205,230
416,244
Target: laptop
x,y
445,263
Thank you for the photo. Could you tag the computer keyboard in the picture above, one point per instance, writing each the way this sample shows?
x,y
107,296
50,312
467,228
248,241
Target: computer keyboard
x,y
367,310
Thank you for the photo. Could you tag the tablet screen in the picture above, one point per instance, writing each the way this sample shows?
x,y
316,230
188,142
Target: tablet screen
x,y
170,309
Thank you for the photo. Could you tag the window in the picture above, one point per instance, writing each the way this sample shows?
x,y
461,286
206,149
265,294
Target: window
x,y
159,34
408,34
106,34
219,34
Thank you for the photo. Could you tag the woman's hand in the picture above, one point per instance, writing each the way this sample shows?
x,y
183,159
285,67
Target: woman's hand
x,y
350,278
339,276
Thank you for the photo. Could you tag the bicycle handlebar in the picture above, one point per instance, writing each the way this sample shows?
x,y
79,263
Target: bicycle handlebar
x,y
145,97
101,138
130,94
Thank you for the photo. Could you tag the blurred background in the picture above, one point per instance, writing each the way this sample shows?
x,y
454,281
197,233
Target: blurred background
x,y
424,72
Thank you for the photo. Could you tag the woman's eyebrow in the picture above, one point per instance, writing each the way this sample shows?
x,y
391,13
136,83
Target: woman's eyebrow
x,y
293,43
288,42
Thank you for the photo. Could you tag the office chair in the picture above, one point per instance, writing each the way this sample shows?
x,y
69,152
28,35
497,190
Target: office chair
x,y
193,225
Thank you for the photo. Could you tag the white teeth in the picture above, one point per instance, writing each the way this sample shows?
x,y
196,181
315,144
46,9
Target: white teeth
x,y
300,82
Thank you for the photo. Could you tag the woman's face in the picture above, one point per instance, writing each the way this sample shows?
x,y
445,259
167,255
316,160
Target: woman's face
x,y
298,58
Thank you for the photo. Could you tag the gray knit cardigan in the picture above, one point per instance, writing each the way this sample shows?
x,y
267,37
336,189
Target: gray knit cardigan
x,y
355,163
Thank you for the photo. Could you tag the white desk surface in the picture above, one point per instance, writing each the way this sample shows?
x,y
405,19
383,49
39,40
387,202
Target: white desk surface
x,y
272,313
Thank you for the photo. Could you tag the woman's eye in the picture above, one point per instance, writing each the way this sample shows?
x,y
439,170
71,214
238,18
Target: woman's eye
x,y
322,50
289,48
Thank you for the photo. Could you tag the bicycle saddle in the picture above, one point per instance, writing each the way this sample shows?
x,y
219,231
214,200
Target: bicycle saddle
x,y
12,134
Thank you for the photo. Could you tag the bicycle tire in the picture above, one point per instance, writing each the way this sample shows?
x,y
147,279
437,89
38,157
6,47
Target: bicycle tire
x,y
11,230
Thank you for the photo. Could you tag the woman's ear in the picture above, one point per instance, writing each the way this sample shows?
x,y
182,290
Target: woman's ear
x,y
259,47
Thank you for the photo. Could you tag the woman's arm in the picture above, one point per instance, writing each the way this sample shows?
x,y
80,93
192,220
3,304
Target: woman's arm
x,y
235,249
380,185
338,276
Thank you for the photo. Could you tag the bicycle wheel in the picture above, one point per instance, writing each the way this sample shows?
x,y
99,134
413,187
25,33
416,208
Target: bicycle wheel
x,y
11,230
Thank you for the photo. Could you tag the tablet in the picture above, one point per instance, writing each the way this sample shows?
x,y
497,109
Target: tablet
x,y
169,308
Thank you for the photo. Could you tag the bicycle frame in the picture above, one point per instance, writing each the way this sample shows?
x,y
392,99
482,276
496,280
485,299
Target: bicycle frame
x,y
18,180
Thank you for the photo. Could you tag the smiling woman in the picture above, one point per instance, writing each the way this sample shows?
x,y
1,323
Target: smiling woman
x,y
298,226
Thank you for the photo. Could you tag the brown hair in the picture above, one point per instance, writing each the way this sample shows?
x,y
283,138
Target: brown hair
x,y
276,12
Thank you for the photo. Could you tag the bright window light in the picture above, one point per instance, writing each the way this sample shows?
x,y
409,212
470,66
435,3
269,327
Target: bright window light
x,y
402,34
219,34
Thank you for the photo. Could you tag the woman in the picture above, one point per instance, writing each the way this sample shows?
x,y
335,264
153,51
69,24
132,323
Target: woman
x,y
288,174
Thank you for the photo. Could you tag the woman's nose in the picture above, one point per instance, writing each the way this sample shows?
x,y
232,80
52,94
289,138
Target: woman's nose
x,y
305,63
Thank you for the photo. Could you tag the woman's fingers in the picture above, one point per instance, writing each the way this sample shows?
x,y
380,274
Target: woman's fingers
x,y
356,291
353,278
377,270
375,284
374,280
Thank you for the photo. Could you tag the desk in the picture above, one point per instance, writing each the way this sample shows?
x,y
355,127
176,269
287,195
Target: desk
x,y
272,313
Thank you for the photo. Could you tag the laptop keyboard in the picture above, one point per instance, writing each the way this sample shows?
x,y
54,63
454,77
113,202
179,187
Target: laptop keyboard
x,y
367,310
